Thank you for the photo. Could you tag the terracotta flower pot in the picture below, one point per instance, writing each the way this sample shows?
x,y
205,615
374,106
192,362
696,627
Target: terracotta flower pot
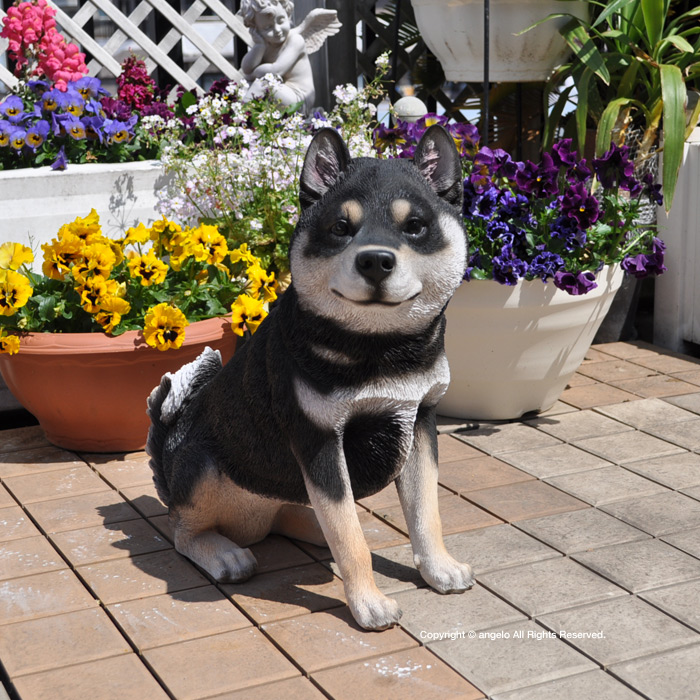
x,y
88,390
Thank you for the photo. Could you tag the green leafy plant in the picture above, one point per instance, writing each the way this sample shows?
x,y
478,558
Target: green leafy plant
x,y
631,67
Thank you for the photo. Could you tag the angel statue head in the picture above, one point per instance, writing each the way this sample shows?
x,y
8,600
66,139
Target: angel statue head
x,y
282,50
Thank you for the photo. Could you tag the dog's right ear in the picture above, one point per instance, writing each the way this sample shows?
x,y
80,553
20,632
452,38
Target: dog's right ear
x,y
325,160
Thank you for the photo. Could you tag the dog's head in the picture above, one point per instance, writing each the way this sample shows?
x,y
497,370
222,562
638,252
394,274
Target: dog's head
x,y
380,246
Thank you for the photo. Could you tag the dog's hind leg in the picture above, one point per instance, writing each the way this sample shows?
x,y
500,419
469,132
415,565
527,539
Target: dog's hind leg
x,y
418,487
299,523
216,525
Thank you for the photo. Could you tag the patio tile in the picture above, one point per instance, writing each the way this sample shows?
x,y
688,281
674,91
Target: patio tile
x,y
580,530
620,629
378,534
144,499
41,644
499,438
393,569
595,355
40,595
606,485
276,552
667,675
579,380
505,662
333,638
34,461
451,449
554,460
639,566
429,616
479,473
688,402
546,586
30,555
658,385
527,499
591,395
685,434
688,541
675,471
645,413
114,541
628,447
693,492
162,524
170,618
692,376
496,547
123,473
405,675
584,686
628,350
388,497
22,439
6,498
614,370
681,601
62,483
103,507
660,514
297,688
456,514
578,425
669,364
287,593
128,678
15,524
223,662
118,580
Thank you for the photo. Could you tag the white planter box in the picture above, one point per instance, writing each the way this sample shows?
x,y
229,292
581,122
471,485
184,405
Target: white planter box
x,y
454,32
513,350
36,202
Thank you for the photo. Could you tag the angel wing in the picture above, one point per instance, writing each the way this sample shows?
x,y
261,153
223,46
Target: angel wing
x,y
317,26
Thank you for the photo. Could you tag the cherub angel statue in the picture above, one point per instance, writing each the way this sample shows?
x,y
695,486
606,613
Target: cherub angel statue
x,y
283,50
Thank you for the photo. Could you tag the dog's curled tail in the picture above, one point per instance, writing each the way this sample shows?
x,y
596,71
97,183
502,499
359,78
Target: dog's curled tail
x,y
166,404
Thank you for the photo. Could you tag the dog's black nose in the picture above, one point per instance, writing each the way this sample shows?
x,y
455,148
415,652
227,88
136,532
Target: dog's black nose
x,y
375,265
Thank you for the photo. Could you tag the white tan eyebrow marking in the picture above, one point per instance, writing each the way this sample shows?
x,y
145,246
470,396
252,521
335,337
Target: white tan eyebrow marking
x,y
352,209
400,209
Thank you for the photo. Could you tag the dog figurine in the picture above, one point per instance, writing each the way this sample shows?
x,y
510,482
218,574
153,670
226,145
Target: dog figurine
x,y
334,396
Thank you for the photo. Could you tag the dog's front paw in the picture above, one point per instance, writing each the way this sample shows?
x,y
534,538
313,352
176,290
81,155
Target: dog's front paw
x,y
236,565
445,574
375,613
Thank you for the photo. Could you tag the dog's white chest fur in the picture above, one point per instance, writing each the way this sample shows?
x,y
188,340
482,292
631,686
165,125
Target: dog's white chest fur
x,y
400,396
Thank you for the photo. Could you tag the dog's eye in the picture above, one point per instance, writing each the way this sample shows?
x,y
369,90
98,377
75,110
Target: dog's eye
x,y
414,226
340,228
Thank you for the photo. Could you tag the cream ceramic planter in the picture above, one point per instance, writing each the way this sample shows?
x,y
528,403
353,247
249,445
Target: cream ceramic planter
x,y
36,202
512,350
454,32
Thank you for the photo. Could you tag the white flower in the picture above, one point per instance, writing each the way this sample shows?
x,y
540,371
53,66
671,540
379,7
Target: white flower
x,y
382,60
256,225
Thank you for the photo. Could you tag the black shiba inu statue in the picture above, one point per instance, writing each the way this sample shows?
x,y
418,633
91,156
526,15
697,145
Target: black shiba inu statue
x,y
334,396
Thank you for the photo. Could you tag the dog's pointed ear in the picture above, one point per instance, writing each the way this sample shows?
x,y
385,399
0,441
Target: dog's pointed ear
x,y
326,158
438,161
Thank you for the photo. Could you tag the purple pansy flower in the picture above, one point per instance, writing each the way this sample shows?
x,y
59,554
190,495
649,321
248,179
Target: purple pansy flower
x,y
562,155
5,130
539,180
575,283
60,163
507,267
652,190
614,166
567,229
644,265
545,265
12,109
577,203
37,133
466,137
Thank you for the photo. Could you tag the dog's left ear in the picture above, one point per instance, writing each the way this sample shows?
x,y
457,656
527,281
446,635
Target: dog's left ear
x,y
438,160
325,160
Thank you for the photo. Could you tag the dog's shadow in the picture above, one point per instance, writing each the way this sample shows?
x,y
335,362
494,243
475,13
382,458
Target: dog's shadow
x,y
301,581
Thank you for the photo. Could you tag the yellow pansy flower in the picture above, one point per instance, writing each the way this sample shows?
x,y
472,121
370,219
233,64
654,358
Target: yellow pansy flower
x,y
164,327
149,268
163,232
93,290
246,312
86,228
98,258
243,254
262,280
9,344
15,291
137,234
208,245
111,311
14,255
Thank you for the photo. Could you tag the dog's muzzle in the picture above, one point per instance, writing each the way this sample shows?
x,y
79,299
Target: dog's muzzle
x,y
375,265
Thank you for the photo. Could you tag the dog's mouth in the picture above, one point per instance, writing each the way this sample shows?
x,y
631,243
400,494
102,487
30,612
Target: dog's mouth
x,y
374,301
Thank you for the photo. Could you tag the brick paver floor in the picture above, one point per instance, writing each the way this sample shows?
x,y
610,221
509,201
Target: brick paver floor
x,y
582,526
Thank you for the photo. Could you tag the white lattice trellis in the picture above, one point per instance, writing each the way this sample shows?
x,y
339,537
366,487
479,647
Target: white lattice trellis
x,y
184,27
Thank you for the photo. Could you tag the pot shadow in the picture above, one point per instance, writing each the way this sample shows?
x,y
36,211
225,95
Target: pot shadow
x,y
296,579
